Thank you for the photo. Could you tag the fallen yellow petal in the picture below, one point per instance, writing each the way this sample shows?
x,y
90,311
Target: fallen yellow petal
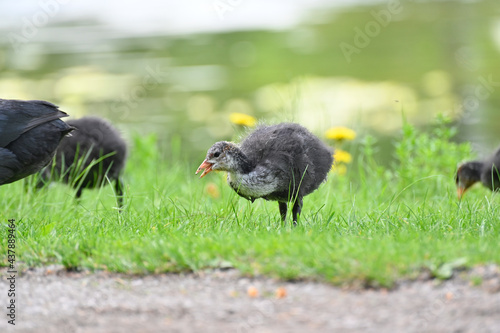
x,y
252,292
281,292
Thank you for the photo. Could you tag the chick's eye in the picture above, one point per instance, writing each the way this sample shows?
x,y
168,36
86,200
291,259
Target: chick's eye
x,y
216,154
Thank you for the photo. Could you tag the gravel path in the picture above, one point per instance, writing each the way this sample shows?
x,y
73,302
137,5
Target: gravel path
x,y
53,300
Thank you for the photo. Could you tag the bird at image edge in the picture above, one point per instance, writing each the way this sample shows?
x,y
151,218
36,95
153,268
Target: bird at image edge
x,y
486,171
30,132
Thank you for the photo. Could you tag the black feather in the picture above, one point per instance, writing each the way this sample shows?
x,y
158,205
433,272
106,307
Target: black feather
x,y
30,132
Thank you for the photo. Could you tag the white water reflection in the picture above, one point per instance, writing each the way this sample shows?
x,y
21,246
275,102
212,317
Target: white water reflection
x,y
134,17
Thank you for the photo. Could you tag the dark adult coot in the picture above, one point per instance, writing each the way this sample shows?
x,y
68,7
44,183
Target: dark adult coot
x,y
283,162
30,132
486,171
94,151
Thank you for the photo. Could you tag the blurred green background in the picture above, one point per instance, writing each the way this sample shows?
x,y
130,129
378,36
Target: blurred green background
x,y
179,70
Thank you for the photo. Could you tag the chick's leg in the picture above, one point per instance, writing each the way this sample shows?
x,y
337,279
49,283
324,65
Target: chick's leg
x,y
283,209
297,208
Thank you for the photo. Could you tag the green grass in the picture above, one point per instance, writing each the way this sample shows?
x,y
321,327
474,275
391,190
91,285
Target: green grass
x,y
373,225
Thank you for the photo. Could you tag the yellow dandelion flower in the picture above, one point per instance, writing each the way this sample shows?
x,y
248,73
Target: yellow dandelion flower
x,y
341,156
339,169
242,119
281,292
340,134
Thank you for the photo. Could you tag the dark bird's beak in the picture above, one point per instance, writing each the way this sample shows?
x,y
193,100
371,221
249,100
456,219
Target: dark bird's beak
x,y
205,165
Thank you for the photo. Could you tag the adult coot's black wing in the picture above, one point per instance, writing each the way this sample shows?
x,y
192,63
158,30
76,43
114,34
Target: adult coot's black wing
x,y
18,117
8,166
30,132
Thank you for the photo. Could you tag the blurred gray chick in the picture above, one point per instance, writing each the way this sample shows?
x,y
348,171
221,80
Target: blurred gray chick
x,y
94,151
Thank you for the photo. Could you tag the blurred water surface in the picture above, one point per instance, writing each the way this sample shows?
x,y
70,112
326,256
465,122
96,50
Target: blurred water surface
x,y
179,70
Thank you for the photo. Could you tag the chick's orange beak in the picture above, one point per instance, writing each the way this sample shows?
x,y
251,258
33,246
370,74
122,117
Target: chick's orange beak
x,y
205,165
460,191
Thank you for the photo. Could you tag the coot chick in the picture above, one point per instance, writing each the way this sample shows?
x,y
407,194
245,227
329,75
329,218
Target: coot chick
x,y
30,132
96,145
283,163
486,171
